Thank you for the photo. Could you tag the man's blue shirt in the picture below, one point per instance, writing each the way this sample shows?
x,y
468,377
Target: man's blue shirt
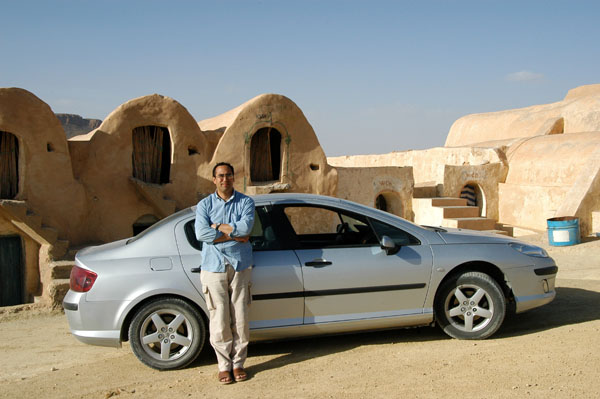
x,y
238,212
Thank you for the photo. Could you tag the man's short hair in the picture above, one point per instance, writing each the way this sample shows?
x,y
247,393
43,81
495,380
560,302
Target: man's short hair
x,y
222,164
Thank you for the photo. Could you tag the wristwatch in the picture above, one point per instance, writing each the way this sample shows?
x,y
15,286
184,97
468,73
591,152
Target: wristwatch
x,y
217,225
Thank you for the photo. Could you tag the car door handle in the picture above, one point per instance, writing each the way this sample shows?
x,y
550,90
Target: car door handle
x,y
318,263
195,269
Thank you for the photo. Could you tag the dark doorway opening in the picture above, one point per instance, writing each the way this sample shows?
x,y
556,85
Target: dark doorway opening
x,y
265,155
11,271
381,203
9,165
143,223
151,157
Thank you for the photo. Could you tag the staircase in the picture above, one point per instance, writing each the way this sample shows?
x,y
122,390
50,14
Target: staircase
x,y
449,212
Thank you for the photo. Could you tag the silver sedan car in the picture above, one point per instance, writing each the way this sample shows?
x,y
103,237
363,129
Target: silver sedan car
x,y
321,265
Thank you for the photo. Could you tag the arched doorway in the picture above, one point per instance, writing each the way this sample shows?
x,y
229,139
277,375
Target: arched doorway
x,y
9,165
475,196
151,156
389,202
265,155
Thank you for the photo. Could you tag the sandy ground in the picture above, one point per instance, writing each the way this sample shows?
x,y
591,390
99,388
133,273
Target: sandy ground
x,y
553,351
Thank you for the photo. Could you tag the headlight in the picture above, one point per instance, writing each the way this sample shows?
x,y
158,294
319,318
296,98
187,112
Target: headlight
x,y
529,250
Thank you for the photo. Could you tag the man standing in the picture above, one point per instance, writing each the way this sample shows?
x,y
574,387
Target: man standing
x,y
224,221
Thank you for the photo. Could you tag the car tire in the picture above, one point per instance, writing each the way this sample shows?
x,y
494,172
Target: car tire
x,y
470,305
167,333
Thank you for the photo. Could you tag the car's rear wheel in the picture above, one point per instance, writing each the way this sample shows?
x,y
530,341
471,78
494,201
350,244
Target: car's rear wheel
x,y
167,333
470,306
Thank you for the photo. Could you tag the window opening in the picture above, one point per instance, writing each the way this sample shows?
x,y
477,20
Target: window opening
x,y
381,203
265,155
143,223
474,196
389,201
9,165
151,155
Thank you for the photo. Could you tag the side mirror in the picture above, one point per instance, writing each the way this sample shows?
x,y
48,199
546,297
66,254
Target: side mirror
x,y
389,246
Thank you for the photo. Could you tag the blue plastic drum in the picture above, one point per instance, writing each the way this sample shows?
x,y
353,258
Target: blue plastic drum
x,y
563,231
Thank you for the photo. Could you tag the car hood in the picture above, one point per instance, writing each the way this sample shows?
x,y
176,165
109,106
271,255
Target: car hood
x,y
464,236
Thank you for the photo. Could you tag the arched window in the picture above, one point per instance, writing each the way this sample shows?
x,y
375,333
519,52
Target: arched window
x,y
9,165
151,157
265,155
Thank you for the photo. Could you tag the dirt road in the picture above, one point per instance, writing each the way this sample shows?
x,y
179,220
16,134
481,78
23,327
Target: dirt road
x,y
553,351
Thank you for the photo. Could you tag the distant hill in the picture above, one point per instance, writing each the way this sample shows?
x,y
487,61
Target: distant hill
x,y
75,125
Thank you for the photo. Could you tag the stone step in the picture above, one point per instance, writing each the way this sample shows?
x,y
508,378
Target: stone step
x,y
474,223
459,211
448,201
61,269
17,208
425,190
57,290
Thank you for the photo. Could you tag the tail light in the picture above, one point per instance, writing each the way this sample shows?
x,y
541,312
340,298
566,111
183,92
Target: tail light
x,y
81,279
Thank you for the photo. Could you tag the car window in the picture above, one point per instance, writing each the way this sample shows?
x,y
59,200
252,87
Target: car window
x,y
262,236
318,227
399,236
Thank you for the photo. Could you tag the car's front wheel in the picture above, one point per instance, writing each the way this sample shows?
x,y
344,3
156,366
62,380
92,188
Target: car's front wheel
x,y
470,306
167,333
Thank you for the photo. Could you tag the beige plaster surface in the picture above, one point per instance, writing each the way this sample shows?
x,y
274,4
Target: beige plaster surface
x,y
300,147
363,185
428,165
487,177
46,179
104,164
578,112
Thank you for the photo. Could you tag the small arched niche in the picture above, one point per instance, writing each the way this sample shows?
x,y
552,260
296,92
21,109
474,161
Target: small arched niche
x,y
9,165
475,196
151,154
265,155
389,202
143,222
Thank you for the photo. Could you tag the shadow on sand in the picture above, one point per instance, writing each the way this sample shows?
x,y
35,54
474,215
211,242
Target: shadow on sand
x,y
571,306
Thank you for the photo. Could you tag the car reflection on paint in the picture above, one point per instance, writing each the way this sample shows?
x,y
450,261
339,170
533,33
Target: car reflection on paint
x,y
321,265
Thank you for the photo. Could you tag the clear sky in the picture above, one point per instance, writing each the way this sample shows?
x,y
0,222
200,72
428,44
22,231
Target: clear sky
x,y
370,76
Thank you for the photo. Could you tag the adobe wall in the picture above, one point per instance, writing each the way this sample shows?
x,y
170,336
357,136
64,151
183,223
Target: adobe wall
x,y
578,112
103,161
304,167
364,184
428,165
46,179
551,176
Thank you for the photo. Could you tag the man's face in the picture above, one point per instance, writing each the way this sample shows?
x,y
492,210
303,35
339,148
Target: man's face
x,y
223,179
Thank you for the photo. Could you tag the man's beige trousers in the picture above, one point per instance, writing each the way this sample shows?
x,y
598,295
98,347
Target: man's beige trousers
x,y
228,299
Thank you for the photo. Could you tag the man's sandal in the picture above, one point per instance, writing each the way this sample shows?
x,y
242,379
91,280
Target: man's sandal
x,y
240,374
225,377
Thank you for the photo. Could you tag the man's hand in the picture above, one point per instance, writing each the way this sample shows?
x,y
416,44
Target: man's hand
x,y
225,228
242,239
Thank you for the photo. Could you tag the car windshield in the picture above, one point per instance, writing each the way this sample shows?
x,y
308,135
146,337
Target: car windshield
x,y
161,222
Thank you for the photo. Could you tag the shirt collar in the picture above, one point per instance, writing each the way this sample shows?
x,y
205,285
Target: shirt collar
x,y
230,198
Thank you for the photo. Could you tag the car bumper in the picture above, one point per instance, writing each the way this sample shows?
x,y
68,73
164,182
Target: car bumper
x,y
534,286
88,320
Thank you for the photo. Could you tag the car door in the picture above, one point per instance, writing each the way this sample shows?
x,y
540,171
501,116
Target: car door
x,y
277,287
347,276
